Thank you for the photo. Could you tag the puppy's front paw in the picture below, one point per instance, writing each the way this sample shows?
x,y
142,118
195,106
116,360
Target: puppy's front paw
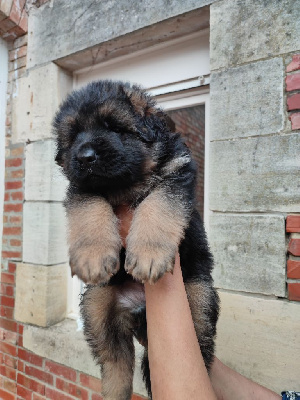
x,y
94,264
149,262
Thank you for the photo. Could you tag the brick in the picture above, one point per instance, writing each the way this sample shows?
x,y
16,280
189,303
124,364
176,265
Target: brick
x,y
13,162
23,24
16,12
6,395
293,269
31,384
20,340
293,102
295,119
293,82
15,243
9,325
13,185
7,196
17,151
21,41
8,336
8,349
10,361
17,196
7,301
13,207
11,254
91,382
30,357
14,230
54,394
294,65
25,394
7,312
36,396
21,366
7,278
60,370
294,247
15,219
293,223
10,373
16,174
40,375
137,397
12,267
72,389
96,397
294,291
20,329
9,385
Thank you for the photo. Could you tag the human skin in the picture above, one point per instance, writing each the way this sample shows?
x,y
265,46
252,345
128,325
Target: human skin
x,y
177,369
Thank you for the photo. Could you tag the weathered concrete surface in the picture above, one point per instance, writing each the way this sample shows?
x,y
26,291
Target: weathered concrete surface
x,y
44,233
41,294
249,252
256,174
247,100
61,27
35,100
260,339
58,342
243,31
43,177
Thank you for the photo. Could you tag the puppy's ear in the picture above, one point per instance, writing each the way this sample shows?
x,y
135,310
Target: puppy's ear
x,y
59,158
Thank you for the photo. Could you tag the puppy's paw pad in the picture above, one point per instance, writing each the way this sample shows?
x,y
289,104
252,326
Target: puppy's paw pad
x,y
94,266
149,266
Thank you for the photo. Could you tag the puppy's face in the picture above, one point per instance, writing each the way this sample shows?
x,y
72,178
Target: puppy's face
x,y
105,133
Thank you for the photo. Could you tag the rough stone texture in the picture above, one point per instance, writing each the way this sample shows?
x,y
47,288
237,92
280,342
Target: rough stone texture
x,y
81,25
247,100
41,294
259,338
43,177
44,233
243,31
256,174
35,100
57,343
249,252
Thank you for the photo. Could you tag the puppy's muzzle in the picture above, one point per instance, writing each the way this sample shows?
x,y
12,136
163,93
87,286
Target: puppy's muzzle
x,y
86,155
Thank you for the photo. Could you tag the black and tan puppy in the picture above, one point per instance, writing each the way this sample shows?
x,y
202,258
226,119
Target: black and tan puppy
x,y
115,148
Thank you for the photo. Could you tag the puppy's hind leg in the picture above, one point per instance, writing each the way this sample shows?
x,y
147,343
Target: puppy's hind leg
x,y
108,330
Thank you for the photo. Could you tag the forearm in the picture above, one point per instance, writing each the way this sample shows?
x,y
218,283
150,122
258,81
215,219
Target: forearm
x,y
177,368
230,385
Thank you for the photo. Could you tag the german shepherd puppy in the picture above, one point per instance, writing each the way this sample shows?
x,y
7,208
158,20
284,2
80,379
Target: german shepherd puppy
x,y
115,148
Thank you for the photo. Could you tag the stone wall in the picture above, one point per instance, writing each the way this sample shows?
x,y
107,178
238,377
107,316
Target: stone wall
x,y
254,184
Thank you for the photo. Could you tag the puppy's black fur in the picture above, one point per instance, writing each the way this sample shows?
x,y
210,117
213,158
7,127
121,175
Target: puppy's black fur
x,y
115,148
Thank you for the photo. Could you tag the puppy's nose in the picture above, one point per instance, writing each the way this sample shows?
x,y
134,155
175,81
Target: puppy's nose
x,y
86,155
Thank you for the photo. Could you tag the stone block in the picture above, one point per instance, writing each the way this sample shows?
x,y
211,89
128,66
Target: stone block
x,y
259,338
41,294
249,252
44,233
256,174
65,28
36,98
43,177
247,100
243,31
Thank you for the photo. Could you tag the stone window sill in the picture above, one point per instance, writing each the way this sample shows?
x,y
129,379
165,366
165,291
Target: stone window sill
x,y
62,343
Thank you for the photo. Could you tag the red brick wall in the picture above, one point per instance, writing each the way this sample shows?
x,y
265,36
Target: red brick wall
x,y
293,262
191,123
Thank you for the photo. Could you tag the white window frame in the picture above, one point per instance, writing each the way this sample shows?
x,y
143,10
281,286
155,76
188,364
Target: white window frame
x,y
171,96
